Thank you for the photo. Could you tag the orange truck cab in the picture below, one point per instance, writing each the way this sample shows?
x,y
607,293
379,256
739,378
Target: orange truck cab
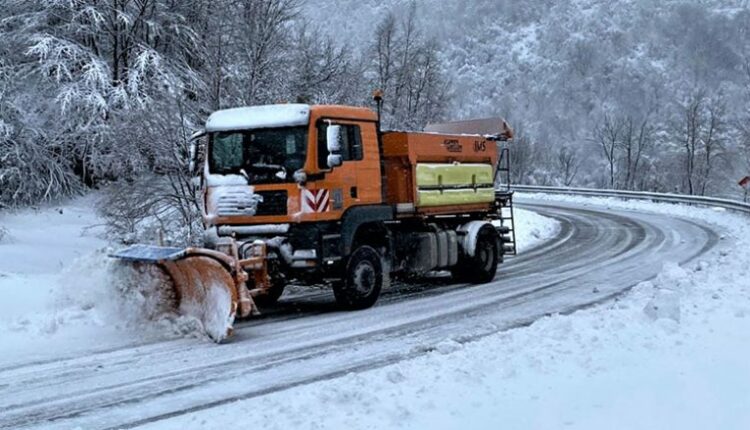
x,y
333,199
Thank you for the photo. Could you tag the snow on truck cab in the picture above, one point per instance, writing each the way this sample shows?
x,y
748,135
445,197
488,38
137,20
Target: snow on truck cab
x,y
319,194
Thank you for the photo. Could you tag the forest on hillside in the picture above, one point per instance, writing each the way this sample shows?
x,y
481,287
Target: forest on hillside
x,y
635,94
638,94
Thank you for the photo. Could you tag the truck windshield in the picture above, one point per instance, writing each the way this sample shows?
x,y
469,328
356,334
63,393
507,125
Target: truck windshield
x,y
265,155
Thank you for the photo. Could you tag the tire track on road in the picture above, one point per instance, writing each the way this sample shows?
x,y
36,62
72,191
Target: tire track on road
x,y
618,240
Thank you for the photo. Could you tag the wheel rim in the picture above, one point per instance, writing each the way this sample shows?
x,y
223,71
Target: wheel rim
x,y
364,277
485,256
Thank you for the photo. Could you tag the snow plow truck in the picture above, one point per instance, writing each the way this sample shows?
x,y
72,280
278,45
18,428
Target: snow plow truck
x,y
321,195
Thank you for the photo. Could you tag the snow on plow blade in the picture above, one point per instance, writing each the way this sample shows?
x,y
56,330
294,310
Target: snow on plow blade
x,y
199,280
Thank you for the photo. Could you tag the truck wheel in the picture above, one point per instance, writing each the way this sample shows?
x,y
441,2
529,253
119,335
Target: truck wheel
x,y
480,268
363,279
278,283
273,294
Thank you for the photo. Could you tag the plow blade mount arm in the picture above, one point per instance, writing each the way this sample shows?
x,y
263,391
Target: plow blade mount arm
x,y
202,282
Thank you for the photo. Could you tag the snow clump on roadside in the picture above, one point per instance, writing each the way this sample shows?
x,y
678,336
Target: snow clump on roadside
x,y
667,289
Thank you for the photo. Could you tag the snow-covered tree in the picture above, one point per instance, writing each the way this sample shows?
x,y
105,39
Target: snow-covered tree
x,y
407,69
88,88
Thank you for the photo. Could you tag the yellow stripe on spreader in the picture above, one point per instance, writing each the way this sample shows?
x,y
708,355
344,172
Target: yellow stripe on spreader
x,y
455,197
470,174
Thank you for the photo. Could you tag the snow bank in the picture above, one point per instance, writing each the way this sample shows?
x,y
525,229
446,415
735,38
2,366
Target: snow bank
x,y
713,214
61,293
673,353
38,244
96,302
533,229
45,240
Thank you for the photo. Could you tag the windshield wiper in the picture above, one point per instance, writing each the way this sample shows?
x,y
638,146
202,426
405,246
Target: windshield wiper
x,y
245,175
268,166
280,170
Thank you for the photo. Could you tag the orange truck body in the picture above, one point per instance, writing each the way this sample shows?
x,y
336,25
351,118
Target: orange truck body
x,y
404,151
400,154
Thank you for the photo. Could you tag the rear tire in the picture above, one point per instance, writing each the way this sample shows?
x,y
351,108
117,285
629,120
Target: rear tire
x,y
363,279
482,266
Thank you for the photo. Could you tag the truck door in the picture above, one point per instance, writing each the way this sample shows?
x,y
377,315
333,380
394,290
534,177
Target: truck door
x,y
355,182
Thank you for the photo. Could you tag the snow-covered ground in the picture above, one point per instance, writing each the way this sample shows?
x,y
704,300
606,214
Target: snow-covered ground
x,y
37,254
533,229
672,353
59,297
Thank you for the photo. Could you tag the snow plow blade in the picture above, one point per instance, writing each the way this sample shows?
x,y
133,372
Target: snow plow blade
x,y
200,283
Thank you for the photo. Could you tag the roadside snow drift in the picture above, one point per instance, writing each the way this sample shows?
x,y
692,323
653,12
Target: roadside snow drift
x,y
671,353
61,293
533,229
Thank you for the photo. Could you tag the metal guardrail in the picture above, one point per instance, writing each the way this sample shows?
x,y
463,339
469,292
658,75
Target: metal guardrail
x,y
733,205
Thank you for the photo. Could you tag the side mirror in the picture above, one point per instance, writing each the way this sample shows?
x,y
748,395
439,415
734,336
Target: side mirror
x,y
192,154
334,160
333,138
193,150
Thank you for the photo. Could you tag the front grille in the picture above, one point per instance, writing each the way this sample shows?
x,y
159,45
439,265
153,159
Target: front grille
x,y
234,201
274,203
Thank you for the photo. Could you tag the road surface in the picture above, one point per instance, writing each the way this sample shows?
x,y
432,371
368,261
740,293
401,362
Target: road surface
x,y
598,254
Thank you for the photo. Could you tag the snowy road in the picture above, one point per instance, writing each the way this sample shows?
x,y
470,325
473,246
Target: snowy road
x,y
597,254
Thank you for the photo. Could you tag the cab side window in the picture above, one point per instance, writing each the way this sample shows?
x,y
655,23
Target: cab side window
x,y
351,145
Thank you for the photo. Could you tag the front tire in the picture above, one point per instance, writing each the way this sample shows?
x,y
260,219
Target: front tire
x,y
363,279
272,295
482,266
278,283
